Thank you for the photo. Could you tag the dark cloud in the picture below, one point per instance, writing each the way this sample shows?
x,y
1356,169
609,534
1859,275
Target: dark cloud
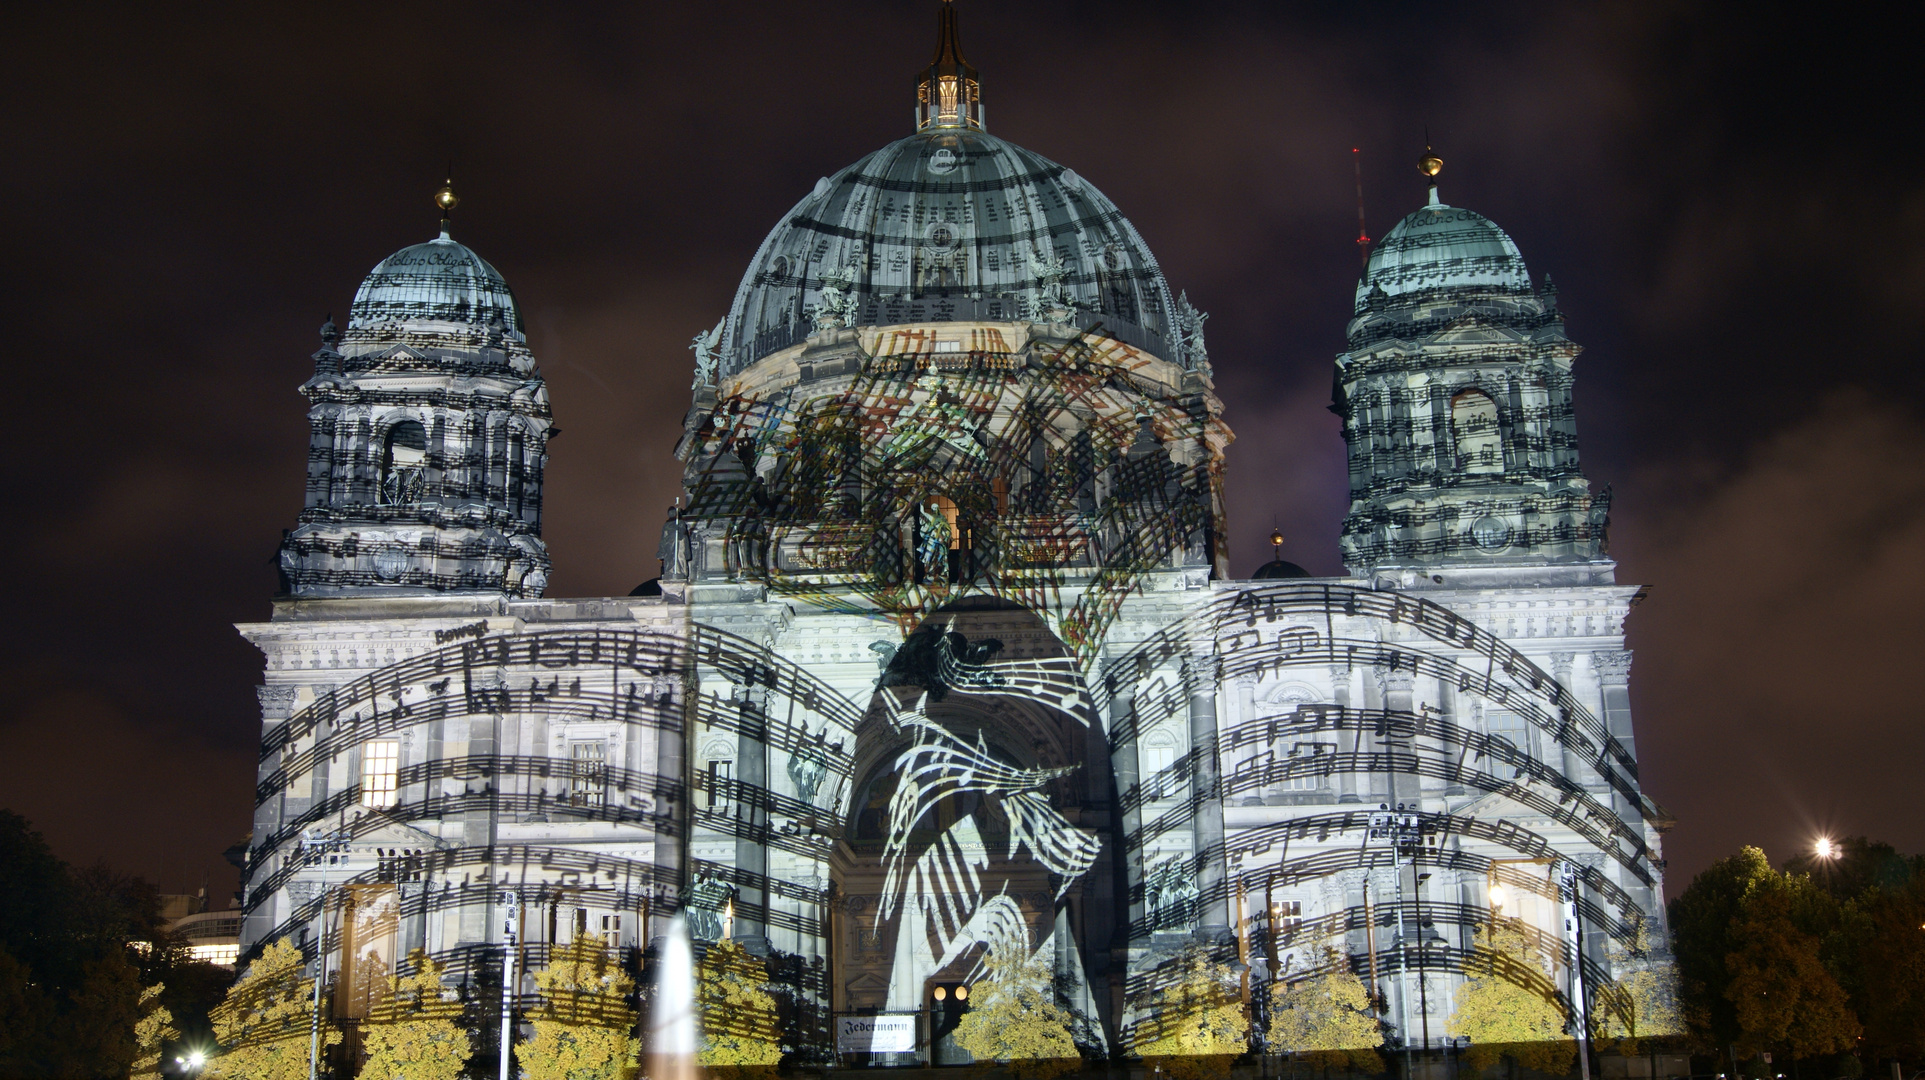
x,y
1722,193
1774,664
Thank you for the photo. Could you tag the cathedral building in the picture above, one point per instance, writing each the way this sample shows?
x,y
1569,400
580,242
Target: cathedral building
x,y
946,665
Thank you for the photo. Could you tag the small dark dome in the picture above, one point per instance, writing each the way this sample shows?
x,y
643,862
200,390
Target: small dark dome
x,y
439,281
1278,568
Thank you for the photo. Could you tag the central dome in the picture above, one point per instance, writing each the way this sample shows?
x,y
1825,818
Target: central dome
x,y
949,223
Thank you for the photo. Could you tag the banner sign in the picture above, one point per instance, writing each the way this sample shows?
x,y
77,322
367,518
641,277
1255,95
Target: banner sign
x,y
890,1033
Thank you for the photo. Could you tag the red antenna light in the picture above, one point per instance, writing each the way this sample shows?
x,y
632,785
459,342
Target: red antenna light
x,y
1363,240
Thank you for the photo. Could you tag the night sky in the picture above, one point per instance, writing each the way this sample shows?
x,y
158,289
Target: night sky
x,y
1733,208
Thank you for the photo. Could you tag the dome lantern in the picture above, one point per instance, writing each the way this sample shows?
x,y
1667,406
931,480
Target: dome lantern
x,y
947,92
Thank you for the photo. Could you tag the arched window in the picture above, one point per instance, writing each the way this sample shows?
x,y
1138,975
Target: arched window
x,y
721,777
1473,425
404,456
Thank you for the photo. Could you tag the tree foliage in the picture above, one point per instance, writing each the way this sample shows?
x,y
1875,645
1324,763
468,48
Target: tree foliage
x,y
105,1014
264,1024
1640,1010
1015,1019
69,986
1325,1017
1801,962
1701,919
413,1031
739,1024
585,1027
1782,994
151,1033
1881,962
1509,1008
1197,1023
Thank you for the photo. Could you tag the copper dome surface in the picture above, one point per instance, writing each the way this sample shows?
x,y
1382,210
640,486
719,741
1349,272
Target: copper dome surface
x,y
439,281
949,224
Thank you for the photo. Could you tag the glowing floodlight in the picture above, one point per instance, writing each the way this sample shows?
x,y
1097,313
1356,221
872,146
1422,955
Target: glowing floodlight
x,y
1825,849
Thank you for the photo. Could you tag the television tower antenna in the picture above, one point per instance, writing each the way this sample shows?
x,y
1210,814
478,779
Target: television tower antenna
x,y
1363,239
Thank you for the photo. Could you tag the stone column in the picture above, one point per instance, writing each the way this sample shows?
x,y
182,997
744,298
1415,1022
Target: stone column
x,y
1576,770
1346,739
1614,699
1206,795
1397,690
1125,760
752,819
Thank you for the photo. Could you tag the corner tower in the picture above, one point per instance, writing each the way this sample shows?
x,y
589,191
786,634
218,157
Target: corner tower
x,y
1455,394
430,427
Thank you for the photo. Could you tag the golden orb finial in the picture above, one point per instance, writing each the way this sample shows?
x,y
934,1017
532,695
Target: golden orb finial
x,y
1276,539
1430,164
446,198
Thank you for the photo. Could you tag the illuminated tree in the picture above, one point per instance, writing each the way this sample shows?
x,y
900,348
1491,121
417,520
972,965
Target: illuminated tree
x,y
585,1028
739,1028
1326,1018
1197,1023
1511,1009
411,1033
263,1024
154,1028
1015,1019
1642,1005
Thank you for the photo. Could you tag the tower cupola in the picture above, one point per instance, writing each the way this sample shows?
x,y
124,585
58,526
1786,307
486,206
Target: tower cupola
x,y
429,435
1456,398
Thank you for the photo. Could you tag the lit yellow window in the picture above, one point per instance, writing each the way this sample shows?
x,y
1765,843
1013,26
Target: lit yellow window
x,y
380,761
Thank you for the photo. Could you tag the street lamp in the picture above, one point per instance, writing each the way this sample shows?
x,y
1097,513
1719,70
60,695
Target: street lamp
x,y
1569,882
1824,848
510,973
321,849
1404,828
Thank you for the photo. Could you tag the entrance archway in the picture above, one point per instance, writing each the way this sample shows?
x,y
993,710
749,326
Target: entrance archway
x,y
976,832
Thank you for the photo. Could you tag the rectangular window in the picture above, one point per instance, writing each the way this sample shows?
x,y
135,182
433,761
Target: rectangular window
x,y
1159,781
1512,728
380,764
590,761
1303,756
720,776
612,931
1286,918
